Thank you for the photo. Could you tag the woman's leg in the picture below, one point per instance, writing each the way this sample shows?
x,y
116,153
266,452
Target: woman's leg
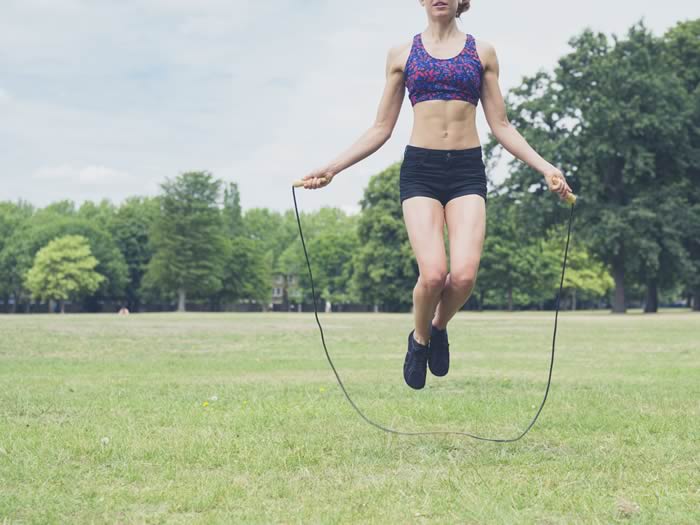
x,y
425,223
466,227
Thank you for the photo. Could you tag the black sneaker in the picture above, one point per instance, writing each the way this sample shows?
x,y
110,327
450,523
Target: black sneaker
x,y
414,366
439,356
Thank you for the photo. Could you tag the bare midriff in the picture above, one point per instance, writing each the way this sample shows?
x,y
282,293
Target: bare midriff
x,y
444,124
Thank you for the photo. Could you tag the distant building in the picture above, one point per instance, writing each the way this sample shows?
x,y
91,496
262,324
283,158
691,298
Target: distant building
x,y
285,291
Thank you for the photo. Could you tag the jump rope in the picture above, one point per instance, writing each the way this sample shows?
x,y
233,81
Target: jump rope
x,y
571,199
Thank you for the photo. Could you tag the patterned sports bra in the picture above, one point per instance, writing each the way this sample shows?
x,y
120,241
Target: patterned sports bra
x,y
456,78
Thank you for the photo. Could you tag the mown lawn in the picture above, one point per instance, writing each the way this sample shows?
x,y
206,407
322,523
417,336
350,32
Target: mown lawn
x,y
236,418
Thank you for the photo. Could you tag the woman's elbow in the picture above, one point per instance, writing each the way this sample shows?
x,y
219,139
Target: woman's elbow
x,y
383,132
500,126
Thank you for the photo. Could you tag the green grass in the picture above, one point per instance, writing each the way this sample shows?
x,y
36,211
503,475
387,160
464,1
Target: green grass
x,y
618,441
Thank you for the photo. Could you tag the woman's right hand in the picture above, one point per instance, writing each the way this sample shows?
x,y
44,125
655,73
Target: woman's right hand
x,y
318,178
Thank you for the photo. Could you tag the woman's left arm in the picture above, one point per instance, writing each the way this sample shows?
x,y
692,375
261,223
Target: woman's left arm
x,y
506,134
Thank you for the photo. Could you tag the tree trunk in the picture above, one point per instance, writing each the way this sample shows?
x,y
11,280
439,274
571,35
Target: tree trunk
x,y
573,299
62,303
652,300
181,300
481,301
329,307
618,306
376,309
696,300
510,298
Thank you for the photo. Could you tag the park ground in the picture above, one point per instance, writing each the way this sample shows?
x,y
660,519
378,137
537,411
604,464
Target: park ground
x,y
236,418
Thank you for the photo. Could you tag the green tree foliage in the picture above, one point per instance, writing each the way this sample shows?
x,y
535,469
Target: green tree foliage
x,y
48,224
331,239
64,270
586,277
518,266
247,271
101,215
233,216
14,218
385,268
188,239
275,230
130,227
683,54
617,118
633,144
247,274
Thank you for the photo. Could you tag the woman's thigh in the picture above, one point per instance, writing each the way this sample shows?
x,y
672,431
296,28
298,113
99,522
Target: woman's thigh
x,y
466,228
425,223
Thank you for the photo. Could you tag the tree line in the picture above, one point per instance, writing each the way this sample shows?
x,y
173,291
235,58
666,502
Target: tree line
x,y
618,115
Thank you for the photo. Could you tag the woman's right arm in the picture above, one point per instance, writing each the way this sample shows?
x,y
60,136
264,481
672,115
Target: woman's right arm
x,y
380,131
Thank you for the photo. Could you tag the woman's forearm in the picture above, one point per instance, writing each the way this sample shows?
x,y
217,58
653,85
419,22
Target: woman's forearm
x,y
369,142
511,139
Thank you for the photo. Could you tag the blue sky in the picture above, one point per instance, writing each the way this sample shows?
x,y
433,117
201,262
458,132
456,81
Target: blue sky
x,y
103,99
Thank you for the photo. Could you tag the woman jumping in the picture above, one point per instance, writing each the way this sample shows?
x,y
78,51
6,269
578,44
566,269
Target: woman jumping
x,y
442,176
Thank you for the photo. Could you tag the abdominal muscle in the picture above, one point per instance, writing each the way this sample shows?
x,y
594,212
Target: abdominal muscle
x,y
444,124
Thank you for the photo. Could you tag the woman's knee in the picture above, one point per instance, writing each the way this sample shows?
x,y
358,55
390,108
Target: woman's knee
x,y
463,280
433,279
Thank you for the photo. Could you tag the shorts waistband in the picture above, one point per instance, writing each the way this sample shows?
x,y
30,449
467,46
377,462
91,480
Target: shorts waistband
x,y
475,152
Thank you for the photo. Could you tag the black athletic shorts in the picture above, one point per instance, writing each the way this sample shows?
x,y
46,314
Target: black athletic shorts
x,y
442,174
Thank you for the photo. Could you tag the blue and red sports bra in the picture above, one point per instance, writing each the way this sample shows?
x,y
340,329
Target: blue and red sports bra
x,y
456,78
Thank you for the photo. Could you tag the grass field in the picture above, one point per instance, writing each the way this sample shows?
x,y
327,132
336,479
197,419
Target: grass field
x,y
236,418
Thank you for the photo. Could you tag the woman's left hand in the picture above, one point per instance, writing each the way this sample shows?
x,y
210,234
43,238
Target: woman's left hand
x,y
557,182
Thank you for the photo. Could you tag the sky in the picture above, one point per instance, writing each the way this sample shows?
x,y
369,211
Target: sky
x,y
103,99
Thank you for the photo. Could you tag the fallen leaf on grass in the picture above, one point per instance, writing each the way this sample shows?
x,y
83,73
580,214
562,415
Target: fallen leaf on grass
x,y
626,508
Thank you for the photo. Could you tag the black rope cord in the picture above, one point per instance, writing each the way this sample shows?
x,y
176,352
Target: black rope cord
x,y
436,432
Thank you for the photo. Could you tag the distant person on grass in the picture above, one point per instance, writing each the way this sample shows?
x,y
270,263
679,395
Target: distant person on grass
x,y
442,176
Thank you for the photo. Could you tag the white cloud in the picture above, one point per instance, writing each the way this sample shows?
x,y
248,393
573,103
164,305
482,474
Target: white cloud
x,y
88,175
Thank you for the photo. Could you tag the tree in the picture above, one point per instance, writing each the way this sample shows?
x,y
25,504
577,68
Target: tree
x,y
63,270
586,277
46,225
101,214
274,230
633,142
682,45
188,239
519,264
130,228
331,240
247,273
233,216
385,269
14,218
616,117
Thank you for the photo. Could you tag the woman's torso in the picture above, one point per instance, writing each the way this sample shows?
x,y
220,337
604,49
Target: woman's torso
x,y
444,86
